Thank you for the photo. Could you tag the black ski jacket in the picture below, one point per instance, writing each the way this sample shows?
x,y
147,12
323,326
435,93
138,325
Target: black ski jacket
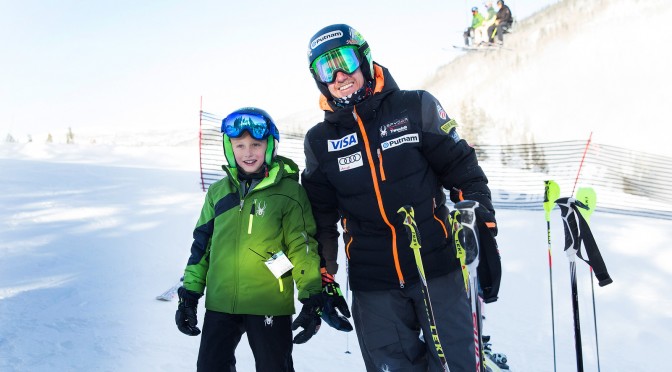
x,y
504,15
366,161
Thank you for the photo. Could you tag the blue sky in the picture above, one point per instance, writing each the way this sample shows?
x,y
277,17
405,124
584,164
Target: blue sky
x,y
113,65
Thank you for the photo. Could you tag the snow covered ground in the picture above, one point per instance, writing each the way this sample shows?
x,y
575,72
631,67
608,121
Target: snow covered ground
x,y
91,233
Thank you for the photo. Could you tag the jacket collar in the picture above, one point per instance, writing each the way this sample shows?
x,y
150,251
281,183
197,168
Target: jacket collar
x,y
342,116
281,167
381,74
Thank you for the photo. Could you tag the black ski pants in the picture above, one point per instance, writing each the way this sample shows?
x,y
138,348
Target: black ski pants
x,y
270,338
389,324
501,29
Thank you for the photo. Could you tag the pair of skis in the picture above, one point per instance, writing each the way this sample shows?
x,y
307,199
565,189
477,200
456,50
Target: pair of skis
x,y
463,223
480,48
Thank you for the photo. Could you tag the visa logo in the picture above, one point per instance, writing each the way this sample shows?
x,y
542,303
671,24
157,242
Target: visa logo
x,y
343,143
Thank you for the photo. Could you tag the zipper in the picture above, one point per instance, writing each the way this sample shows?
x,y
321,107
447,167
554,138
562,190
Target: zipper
x,y
344,224
249,222
379,198
443,226
382,170
347,247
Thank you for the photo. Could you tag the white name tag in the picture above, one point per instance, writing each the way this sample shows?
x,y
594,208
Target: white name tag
x,y
279,264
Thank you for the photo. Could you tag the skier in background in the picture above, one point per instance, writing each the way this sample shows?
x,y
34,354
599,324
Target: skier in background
x,y
380,148
475,32
503,22
488,19
255,225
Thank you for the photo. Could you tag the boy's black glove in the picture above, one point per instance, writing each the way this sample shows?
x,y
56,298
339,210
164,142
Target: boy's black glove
x,y
185,316
333,300
309,318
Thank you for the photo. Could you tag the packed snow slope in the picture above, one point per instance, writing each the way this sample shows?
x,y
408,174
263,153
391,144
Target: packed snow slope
x,y
576,66
91,233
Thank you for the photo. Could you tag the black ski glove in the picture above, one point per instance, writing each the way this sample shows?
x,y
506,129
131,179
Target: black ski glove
x,y
487,218
490,265
309,318
333,300
185,316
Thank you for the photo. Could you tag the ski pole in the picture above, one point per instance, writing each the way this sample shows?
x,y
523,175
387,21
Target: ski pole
x,y
588,196
347,299
572,245
577,322
571,255
415,244
466,218
551,193
583,157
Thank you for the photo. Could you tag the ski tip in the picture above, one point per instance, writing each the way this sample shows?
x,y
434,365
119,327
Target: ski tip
x,y
479,48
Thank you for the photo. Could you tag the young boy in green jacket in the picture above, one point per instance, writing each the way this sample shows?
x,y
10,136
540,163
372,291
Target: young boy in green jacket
x,y
254,239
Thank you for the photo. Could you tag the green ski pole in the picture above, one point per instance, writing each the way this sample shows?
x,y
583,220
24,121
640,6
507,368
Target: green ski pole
x,y
414,239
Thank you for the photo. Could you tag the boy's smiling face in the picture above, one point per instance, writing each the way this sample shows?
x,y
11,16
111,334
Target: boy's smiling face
x,y
249,152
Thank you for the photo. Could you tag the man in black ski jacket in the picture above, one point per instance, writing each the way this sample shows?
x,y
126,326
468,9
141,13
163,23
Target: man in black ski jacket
x,y
380,148
503,22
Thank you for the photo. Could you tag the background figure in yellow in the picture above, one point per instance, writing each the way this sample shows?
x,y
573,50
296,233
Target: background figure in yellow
x,y
488,19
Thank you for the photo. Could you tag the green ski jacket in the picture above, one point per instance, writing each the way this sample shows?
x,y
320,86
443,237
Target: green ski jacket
x,y
235,237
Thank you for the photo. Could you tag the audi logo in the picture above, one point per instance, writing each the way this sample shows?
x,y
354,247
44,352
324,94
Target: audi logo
x,y
350,159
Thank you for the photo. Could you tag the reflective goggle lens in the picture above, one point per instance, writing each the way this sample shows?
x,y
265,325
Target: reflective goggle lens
x,y
344,59
235,124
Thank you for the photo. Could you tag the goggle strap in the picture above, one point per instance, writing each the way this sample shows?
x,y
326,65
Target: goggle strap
x,y
362,48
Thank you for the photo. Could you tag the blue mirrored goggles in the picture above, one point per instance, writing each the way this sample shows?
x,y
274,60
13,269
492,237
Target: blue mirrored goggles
x,y
258,126
325,66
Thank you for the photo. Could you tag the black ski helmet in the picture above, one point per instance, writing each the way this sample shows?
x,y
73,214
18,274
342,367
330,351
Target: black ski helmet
x,y
335,36
272,136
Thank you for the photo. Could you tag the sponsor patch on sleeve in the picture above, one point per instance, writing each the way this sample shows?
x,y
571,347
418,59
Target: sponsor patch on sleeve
x,y
442,113
447,127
